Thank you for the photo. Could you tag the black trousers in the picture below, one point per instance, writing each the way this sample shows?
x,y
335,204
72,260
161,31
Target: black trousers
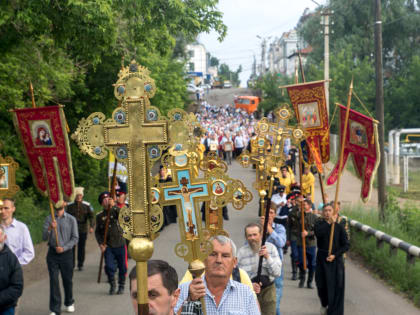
x,y
60,263
81,246
237,152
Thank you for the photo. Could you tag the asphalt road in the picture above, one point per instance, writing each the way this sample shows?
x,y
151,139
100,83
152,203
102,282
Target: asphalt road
x,y
225,96
364,293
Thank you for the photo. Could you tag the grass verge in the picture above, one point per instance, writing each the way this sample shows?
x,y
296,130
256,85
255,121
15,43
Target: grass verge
x,y
393,269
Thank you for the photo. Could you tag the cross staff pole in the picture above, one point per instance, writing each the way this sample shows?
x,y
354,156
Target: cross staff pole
x,y
321,184
273,171
337,188
302,212
113,184
196,268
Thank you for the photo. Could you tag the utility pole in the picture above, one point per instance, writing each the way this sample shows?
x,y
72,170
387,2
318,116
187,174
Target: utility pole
x,y
380,108
326,23
254,68
263,47
263,44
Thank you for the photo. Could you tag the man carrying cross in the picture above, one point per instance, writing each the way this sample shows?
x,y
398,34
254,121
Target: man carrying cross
x,y
222,295
114,250
248,259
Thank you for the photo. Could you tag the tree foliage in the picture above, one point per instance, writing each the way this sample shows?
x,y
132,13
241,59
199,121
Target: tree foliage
x,y
71,51
272,97
224,71
352,54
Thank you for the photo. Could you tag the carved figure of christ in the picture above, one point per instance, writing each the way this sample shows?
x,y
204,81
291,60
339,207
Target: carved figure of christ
x,y
185,193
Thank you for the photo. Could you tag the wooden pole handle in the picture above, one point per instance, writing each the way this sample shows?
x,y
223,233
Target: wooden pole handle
x,y
53,220
302,212
340,165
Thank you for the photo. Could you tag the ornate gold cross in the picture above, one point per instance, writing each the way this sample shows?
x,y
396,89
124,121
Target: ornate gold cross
x,y
265,155
278,132
136,134
223,190
185,192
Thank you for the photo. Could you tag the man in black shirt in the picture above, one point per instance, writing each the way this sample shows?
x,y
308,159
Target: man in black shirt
x,y
329,277
115,251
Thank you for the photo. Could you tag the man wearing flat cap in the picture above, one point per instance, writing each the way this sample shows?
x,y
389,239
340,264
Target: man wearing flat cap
x,y
83,212
115,251
60,256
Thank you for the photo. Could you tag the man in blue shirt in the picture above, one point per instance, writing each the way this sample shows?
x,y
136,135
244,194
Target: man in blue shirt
x,y
222,295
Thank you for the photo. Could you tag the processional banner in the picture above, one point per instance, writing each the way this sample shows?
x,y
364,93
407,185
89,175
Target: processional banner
x,y
308,100
45,142
362,142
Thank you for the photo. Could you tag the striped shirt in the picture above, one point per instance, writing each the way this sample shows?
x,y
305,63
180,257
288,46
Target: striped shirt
x,y
248,261
68,234
236,299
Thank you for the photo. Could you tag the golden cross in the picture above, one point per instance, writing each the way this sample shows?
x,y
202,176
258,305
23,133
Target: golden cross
x,y
223,190
136,135
130,138
186,191
279,131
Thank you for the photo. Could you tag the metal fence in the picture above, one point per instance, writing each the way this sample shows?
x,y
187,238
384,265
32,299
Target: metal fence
x,y
395,244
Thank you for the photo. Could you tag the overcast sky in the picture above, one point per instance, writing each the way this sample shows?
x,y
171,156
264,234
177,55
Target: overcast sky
x,y
245,20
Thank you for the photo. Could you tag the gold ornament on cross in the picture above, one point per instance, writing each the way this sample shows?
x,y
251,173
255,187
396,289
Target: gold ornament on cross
x,y
136,134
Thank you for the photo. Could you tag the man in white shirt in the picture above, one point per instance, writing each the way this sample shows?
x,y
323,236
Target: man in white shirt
x,y
18,236
239,144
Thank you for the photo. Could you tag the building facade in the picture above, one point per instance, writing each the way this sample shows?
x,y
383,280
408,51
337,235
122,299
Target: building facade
x,y
197,65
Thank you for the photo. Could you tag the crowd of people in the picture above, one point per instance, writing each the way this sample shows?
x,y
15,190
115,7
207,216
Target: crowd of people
x,y
245,280
227,130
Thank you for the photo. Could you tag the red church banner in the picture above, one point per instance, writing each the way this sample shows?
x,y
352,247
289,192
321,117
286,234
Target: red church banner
x,y
362,142
308,100
45,142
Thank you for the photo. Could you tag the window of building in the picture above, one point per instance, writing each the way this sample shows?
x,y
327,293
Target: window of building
x,y
191,66
191,53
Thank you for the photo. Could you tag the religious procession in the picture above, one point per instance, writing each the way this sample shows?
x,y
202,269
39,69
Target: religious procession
x,y
176,170
121,195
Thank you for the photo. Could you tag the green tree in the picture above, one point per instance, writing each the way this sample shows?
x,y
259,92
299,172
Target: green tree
x,y
271,96
71,50
226,74
352,49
